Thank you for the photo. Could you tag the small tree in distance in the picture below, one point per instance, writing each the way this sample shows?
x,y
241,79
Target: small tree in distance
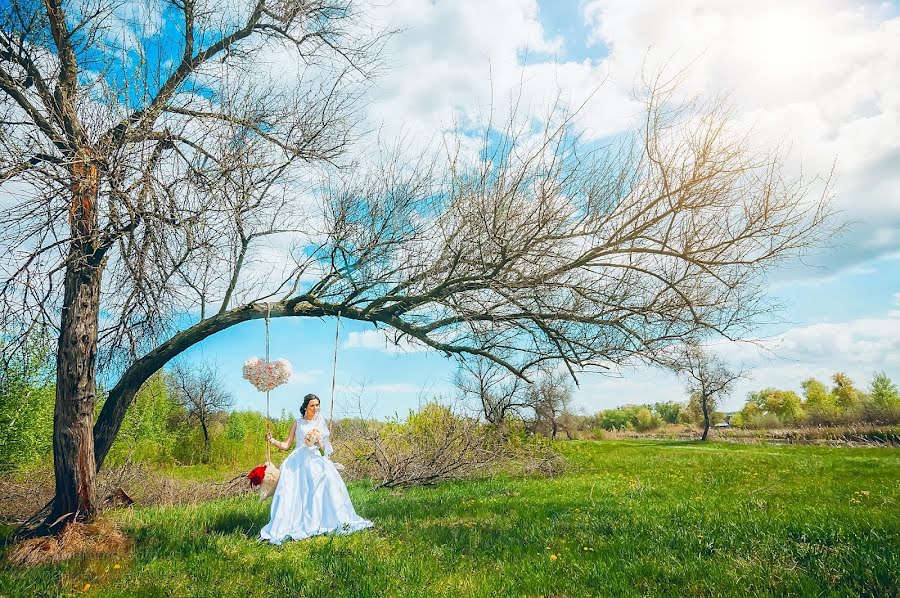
x,y
498,392
202,393
550,397
707,378
884,392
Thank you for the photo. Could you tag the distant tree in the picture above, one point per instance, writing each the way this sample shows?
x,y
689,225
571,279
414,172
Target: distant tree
x,y
668,411
647,420
550,397
202,393
884,392
708,379
786,404
149,431
750,412
846,395
26,402
820,404
615,419
494,388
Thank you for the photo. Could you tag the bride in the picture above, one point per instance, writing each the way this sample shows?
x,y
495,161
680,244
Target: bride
x,y
311,497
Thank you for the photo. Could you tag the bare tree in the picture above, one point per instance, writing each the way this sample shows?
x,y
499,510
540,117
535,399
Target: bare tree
x,y
707,378
199,388
545,248
496,390
114,140
550,397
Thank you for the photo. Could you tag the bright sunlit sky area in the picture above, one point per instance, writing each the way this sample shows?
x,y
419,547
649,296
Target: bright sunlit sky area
x,y
820,76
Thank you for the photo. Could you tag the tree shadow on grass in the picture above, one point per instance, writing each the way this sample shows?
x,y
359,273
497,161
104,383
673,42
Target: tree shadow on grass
x,y
236,521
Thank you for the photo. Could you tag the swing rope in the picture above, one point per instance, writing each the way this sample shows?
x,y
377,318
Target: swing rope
x,y
337,327
268,419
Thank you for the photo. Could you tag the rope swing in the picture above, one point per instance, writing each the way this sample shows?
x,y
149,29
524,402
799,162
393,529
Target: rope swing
x,y
268,416
337,328
265,376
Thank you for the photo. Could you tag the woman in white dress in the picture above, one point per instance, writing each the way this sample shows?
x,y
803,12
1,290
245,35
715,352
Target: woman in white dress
x,y
311,498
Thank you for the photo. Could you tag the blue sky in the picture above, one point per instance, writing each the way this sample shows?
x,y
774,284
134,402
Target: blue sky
x,y
822,74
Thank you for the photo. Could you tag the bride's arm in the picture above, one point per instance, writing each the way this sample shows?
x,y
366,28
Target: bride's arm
x,y
287,442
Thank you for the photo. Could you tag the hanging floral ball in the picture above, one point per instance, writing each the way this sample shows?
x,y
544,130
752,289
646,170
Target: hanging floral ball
x,y
266,375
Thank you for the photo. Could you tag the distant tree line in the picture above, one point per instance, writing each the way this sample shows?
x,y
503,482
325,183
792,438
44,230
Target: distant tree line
x,y
545,405
843,403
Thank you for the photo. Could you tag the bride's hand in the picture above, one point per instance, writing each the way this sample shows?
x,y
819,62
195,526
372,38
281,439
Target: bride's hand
x,y
269,437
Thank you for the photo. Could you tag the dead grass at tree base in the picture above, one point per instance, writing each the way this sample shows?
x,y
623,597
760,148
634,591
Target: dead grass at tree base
x,y
90,539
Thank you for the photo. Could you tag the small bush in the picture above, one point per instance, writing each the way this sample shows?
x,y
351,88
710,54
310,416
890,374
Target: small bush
x,y
437,444
762,421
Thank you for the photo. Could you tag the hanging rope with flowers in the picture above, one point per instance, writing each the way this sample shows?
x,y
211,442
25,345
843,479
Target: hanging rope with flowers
x,y
266,375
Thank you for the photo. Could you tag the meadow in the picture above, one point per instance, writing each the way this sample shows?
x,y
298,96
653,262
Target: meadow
x,y
626,518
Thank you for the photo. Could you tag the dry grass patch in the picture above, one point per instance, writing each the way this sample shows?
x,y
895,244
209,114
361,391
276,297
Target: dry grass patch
x,y
91,539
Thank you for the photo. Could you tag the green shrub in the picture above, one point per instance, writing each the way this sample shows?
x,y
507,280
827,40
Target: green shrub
x,y
762,421
27,397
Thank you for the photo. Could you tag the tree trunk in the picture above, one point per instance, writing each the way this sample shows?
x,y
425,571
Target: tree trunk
x,y
74,465
205,456
705,407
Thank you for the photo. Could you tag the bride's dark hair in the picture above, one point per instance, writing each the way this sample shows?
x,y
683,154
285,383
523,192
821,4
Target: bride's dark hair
x,y
306,401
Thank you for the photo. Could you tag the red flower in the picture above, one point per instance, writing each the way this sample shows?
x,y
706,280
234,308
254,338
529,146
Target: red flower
x,y
256,475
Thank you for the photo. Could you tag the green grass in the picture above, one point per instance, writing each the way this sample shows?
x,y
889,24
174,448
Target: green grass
x,y
628,518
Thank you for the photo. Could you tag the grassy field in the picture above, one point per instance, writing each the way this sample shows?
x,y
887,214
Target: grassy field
x,y
627,518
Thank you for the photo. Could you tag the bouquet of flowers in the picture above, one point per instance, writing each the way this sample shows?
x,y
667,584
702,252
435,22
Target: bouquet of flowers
x,y
265,375
314,438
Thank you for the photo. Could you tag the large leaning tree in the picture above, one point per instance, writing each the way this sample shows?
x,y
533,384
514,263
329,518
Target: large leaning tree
x,y
152,218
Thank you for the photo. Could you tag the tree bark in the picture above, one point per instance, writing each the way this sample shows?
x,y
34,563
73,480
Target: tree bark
x,y
74,464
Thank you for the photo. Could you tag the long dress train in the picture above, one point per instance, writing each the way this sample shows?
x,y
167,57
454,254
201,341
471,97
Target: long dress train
x,y
311,498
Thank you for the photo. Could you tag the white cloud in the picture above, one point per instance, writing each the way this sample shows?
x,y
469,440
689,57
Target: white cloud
x,y
380,340
819,76
457,64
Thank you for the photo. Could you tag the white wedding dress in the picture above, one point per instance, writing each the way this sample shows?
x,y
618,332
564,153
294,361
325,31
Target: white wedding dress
x,y
311,498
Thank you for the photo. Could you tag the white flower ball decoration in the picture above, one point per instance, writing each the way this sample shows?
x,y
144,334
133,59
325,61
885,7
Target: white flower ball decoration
x,y
266,375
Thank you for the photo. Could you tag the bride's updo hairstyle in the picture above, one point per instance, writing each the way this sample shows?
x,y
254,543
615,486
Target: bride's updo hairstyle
x,y
306,400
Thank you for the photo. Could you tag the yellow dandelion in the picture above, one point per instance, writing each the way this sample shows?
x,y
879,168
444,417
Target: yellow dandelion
x,y
117,566
86,587
553,557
